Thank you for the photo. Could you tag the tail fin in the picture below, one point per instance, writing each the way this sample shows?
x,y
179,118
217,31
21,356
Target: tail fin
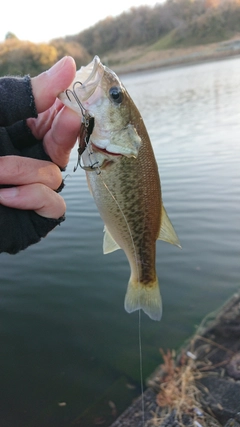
x,y
144,297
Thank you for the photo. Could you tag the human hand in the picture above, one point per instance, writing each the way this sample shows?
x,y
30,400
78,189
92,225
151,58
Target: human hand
x,y
58,127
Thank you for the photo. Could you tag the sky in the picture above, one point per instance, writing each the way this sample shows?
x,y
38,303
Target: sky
x,y
43,20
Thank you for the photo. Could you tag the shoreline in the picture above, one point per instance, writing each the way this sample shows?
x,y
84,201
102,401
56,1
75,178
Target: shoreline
x,y
200,386
167,59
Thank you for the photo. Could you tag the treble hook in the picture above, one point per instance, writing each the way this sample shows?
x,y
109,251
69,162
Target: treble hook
x,y
74,94
87,128
92,167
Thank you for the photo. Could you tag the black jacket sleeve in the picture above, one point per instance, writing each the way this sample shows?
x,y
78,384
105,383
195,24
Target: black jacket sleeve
x,y
20,228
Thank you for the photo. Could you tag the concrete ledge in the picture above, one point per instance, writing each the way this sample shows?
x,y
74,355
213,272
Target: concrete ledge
x,y
201,386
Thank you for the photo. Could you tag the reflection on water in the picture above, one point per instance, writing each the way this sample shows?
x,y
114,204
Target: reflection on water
x,y
65,336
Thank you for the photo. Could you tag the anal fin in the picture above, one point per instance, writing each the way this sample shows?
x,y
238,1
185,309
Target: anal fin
x,y
109,244
167,232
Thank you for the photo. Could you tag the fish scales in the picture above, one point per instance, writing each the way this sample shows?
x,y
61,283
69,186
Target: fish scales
x,y
123,178
139,227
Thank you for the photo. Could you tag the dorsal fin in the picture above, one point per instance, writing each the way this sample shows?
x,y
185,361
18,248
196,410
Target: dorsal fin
x,y
109,244
167,232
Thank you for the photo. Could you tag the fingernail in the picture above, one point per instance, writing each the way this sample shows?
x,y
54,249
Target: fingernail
x,y
58,66
8,193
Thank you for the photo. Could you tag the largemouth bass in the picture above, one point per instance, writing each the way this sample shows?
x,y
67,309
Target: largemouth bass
x,y
123,178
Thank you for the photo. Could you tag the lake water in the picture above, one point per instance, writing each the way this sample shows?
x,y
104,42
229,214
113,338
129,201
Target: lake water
x,y
65,340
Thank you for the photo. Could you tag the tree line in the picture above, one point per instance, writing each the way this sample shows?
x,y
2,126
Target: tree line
x,y
19,57
170,24
189,22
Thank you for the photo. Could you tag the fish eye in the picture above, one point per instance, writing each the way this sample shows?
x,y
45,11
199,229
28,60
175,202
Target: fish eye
x,y
116,94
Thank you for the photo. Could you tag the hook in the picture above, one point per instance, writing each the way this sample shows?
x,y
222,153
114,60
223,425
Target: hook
x,y
73,93
88,122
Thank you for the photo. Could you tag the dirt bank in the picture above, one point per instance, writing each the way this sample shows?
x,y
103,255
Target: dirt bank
x,y
144,58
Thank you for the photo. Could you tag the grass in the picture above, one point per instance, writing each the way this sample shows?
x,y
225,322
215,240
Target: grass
x,y
165,42
179,395
178,390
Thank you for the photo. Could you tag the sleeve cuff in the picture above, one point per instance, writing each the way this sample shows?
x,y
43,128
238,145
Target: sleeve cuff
x,y
16,94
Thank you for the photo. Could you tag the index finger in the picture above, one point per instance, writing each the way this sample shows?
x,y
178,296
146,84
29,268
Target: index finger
x,y
60,139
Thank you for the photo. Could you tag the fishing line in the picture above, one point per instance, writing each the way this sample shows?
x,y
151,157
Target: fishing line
x,y
98,172
141,364
139,311
94,167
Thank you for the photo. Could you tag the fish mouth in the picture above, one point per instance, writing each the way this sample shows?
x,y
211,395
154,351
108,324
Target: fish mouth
x,y
89,70
88,78
84,85
95,148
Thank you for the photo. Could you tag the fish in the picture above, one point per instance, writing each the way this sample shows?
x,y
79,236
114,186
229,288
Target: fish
x,y
122,174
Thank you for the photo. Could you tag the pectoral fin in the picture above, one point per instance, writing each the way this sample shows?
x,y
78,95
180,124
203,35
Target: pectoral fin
x,y
109,244
167,232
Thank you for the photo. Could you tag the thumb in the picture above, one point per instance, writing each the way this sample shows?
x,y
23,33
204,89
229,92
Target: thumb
x,y
47,86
